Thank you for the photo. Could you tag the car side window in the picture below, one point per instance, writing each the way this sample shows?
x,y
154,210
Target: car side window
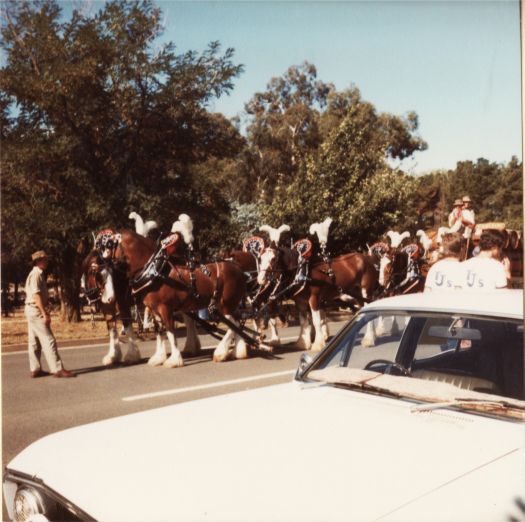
x,y
376,337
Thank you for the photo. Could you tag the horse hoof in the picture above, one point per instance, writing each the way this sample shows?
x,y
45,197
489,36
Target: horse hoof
x,y
301,345
222,357
317,347
132,359
156,360
173,363
108,360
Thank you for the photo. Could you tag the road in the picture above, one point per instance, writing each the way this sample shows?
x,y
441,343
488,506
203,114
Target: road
x,y
33,408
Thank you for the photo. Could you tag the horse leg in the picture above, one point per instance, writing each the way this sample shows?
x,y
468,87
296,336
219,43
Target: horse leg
x,y
274,335
222,351
241,348
369,339
324,326
147,322
305,334
114,354
175,359
319,342
193,344
133,353
160,356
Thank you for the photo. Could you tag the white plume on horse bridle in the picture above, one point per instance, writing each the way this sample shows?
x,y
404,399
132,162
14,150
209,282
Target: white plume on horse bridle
x,y
396,238
424,239
274,233
184,226
141,227
321,229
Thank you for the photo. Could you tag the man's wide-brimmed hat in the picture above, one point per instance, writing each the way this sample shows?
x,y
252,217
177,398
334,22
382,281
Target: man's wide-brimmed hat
x,y
39,254
458,202
466,199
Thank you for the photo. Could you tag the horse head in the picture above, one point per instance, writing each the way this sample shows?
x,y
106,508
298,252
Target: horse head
x,y
276,261
106,243
132,251
97,280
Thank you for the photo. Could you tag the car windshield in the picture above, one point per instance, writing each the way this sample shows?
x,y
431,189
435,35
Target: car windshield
x,y
439,358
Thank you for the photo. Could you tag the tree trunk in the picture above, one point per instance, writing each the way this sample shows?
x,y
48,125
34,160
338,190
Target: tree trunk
x,y
69,276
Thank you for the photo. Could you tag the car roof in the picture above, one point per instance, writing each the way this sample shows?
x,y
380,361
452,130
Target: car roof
x,y
496,303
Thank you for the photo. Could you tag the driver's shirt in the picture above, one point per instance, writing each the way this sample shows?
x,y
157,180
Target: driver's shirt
x,y
446,274
36,284
483,273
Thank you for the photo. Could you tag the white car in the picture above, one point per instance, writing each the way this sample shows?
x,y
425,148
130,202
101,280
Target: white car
x,y
413,412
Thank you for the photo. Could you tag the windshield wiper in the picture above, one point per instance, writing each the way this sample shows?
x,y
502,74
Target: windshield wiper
x,y
473,403
364,386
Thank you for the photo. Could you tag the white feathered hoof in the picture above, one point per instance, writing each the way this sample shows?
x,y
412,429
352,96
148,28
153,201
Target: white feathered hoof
x,y
318,346
301,344
368,341
241,349
221,356
132,356
108,360
157,360
174,361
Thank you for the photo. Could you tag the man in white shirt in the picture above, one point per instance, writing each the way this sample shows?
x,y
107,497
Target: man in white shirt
x,y
447,273
455,214
468,218
486,271
40,337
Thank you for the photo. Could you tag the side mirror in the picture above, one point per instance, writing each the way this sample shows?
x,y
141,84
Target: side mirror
x,y
304,363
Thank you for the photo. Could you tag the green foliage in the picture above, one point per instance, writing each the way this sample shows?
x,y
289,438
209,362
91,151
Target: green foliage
x,y
348,177
97,121
496,191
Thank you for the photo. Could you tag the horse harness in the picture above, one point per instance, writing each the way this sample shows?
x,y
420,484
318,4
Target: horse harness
x,y
160,262
165,258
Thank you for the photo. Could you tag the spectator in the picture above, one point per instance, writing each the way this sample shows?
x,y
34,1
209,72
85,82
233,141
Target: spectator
x,y
447,273
40,335
486,271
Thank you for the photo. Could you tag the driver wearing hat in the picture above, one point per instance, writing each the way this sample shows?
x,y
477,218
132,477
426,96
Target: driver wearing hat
x,y
456,213
40,336
468,218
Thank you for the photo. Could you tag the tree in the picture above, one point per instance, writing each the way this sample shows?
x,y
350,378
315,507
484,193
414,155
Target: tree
x,y
284,126
495,189
97,121
349,177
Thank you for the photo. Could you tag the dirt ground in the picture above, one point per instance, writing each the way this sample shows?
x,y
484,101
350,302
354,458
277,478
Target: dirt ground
x,y
14,328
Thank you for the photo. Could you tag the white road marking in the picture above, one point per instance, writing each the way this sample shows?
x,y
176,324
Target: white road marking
x,y
176,391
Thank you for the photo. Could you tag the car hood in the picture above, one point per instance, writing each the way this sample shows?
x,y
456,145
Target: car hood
x,y
284,453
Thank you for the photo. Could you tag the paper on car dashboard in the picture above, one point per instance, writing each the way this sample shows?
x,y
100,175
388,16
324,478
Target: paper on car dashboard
x,y
413,388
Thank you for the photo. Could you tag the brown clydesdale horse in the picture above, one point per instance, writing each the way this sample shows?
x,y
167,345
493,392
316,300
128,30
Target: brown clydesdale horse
x,y
249,260
107,291
179,289
350,277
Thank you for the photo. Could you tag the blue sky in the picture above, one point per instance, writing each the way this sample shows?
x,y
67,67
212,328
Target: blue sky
x,y
456,64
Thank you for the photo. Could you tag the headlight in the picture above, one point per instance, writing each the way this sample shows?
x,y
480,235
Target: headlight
x,y
29,505
28,499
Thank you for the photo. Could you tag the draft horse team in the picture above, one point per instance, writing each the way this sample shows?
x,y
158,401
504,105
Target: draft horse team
x,y
165,275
